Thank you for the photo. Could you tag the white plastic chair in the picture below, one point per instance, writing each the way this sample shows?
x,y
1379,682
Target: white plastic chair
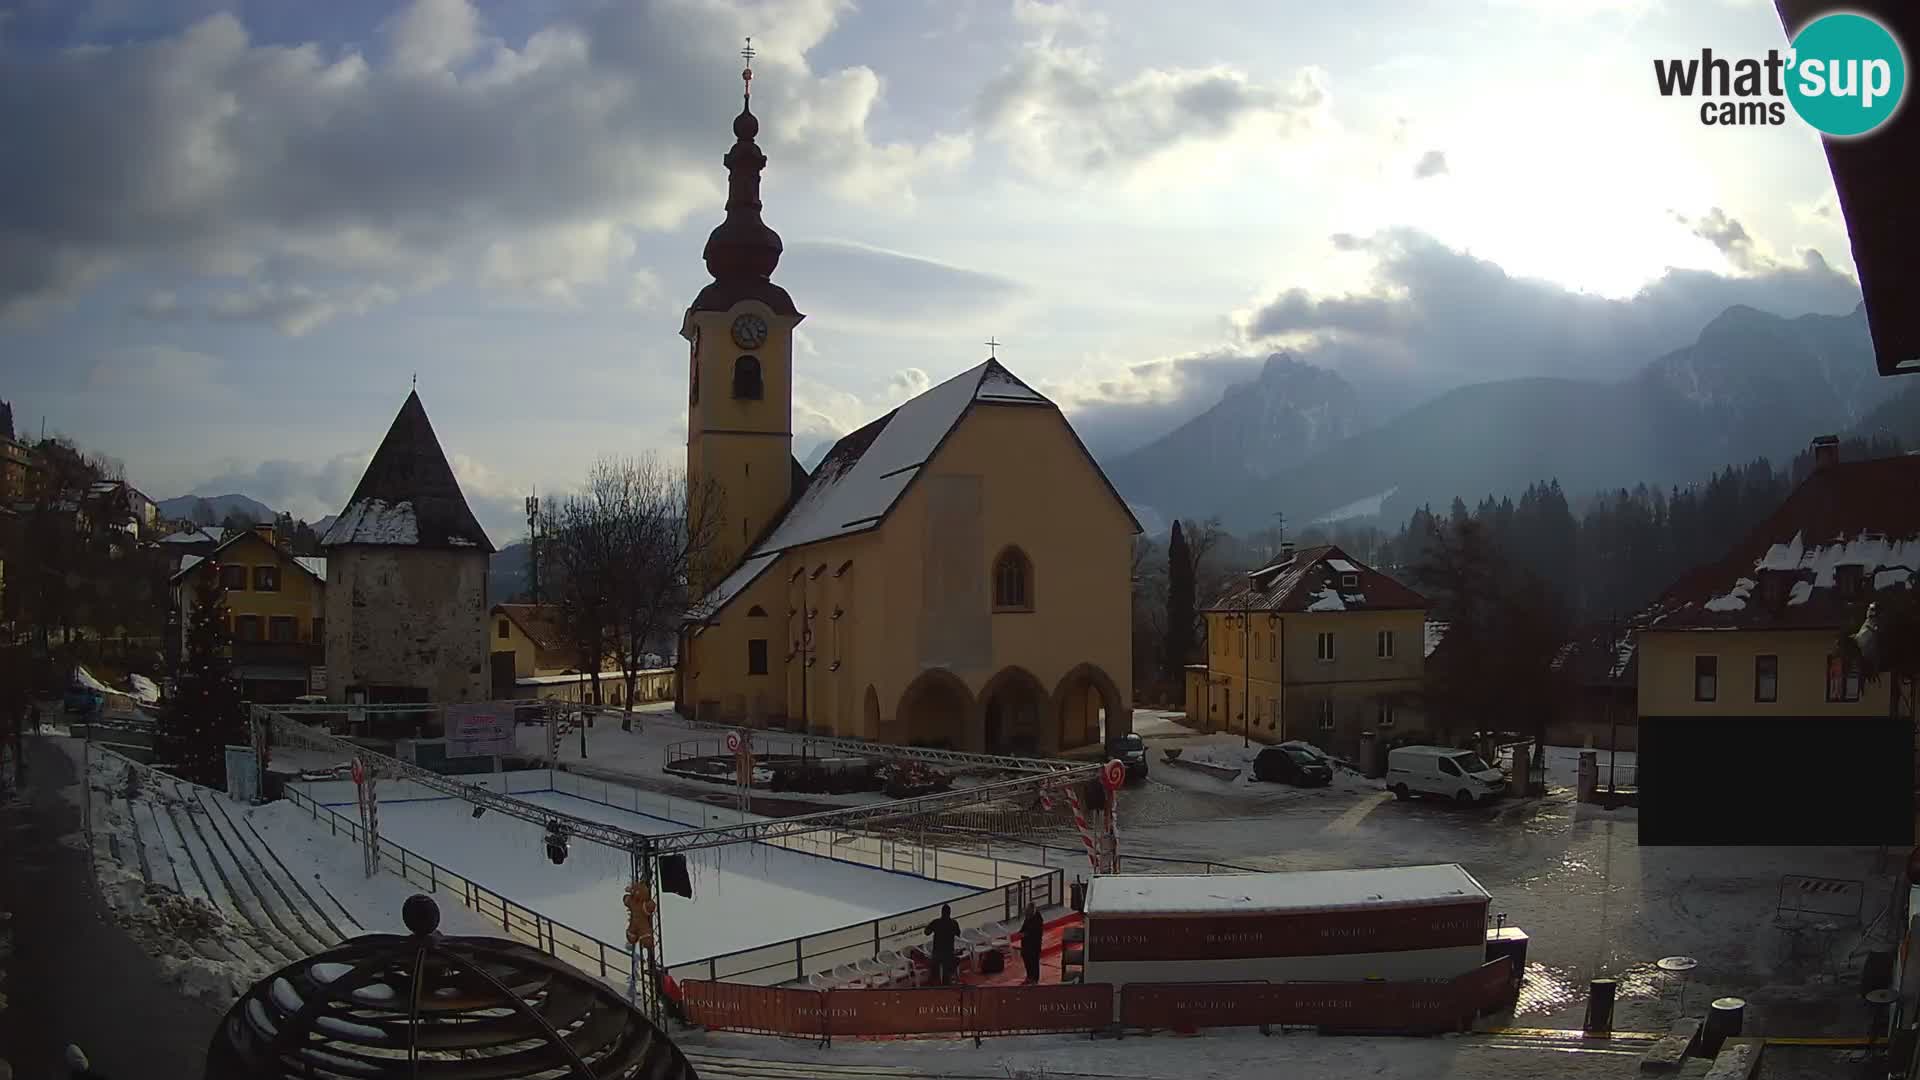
x,y
848,976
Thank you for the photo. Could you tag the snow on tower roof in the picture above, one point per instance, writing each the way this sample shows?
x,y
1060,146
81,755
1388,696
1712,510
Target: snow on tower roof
x,y
408,496
861,479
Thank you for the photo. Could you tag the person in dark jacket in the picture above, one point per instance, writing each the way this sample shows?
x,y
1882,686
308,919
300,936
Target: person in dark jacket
x,y
1031,933
945,933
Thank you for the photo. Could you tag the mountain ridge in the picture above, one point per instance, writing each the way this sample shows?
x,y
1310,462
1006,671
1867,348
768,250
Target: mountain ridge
x,y
1752,384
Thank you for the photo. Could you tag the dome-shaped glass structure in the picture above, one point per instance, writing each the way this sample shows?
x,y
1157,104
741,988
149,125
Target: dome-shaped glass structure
x,y
425,1005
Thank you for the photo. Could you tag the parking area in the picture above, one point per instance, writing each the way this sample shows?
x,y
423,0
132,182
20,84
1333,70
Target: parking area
x,y
1594,902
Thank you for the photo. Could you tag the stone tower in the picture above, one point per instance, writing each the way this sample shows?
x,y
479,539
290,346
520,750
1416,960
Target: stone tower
x,y
407,578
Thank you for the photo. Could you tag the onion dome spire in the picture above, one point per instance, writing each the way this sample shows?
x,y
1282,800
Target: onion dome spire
x,y
743,248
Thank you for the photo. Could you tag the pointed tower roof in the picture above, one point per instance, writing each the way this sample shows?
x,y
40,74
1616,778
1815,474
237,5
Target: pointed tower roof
x,y
408,496
743,251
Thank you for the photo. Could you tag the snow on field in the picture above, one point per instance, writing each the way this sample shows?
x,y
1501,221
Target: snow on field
x,y
744,895
335,869
1358,508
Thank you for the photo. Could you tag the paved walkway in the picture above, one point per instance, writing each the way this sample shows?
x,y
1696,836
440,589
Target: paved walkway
x,y
74,976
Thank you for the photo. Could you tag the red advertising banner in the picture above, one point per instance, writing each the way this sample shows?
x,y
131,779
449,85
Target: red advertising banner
x,y
1491,986
1264,934
930,1011
737,1007
1347,1006
1041,1008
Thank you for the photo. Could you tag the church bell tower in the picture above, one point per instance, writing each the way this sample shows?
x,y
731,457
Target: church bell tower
x,y
740,370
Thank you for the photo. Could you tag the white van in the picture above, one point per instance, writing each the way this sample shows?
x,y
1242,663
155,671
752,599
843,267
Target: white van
x,y
1444,771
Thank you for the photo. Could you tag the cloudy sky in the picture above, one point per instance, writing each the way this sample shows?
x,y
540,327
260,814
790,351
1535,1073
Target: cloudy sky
x,y
231,234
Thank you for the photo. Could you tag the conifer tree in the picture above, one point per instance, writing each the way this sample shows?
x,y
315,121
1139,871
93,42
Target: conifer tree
x,y
206,713
1180,604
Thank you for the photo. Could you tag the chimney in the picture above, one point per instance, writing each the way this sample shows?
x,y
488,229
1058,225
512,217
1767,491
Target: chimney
x,y
264,531
1826,451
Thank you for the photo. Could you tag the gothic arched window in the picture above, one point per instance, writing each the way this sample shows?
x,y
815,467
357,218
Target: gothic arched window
x,y
1012,581
746,378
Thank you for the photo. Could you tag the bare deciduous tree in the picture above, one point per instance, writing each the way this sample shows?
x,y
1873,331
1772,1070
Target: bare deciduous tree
x,y
620,556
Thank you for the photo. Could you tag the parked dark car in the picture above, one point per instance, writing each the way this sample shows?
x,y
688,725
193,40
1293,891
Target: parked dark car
x,y
1131,750
1292,765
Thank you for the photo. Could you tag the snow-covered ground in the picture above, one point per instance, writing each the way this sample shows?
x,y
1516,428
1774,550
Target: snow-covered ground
x,y
640,754
224,894
744,895
1237,1053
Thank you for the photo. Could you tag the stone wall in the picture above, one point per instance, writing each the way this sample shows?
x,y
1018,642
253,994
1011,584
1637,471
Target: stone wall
x,y
407,617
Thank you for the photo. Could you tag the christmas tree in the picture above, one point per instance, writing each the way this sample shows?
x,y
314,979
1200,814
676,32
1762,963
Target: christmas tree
x,y
206,713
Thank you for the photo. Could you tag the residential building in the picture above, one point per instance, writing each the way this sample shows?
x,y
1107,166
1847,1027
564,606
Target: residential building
x,y
192,540
1599,673
954,573
530,658
117,500
276,611
1317,646
1754,725
407,578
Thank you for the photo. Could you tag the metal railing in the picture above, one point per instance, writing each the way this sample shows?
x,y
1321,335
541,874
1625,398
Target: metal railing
x,y
577,947
1004,887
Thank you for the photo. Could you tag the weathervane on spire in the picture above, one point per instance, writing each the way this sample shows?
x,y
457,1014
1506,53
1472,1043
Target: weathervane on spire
x,y
746,73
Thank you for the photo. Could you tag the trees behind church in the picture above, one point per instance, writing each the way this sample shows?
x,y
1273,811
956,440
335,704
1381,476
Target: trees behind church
x,y
618,555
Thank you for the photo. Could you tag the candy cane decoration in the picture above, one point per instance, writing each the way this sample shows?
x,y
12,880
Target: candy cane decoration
x,y
1080,822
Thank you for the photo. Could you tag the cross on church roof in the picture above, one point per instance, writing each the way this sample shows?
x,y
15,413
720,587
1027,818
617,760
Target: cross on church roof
x,y
746,73
992,349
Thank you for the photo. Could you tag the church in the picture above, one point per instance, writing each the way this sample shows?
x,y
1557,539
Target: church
x,y
956,573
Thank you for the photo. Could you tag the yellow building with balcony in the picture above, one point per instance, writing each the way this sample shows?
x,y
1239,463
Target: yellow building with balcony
x,y
276,608
1317,647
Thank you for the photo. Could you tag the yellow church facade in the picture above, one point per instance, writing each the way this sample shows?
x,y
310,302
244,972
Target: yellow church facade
x,y
955,573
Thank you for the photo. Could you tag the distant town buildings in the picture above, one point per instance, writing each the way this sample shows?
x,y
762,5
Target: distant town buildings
x,y
406,590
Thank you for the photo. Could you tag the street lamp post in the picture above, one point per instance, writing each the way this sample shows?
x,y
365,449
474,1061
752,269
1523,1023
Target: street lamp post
x,y
1613,721
1246,663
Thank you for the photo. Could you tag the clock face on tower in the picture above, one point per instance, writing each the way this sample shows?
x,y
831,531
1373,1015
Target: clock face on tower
x,y
749,331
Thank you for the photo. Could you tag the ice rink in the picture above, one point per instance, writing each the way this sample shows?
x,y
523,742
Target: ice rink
x,y
744,895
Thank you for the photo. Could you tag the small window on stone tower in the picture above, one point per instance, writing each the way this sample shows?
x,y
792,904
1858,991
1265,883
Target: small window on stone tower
x,y
746,378
1012,581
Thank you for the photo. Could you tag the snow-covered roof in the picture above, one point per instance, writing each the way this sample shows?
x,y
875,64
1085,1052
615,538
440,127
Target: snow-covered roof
x,y
1435,633
1863,515
190,536
1313,581
1292,891
859,479
864,475
731,586
311,564
408,496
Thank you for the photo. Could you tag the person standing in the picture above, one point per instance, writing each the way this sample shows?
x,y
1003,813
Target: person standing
x,y
945,933
1031,933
